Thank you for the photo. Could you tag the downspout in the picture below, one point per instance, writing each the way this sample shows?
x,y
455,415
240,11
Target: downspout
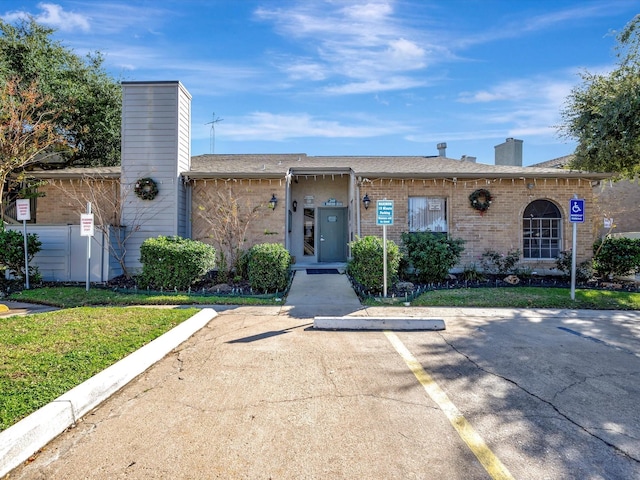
x,y
287,201
358,208
188,207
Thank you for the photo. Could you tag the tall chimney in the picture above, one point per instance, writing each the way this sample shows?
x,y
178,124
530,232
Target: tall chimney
x,y
442,149
509,153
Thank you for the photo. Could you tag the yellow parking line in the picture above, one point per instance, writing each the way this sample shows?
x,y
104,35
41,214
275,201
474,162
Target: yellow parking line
x,y
492,464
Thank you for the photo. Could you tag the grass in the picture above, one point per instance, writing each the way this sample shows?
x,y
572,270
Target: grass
x,y
67,297
45,355
530,297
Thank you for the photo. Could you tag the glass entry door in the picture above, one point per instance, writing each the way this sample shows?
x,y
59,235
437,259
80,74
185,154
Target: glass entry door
x,y
309,235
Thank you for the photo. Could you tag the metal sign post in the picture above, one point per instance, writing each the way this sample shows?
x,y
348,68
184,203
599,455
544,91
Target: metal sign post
x,y
23,207
87,230
384,217
576,215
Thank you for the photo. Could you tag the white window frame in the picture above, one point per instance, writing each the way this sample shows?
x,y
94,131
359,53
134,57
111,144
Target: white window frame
x,y
428,214
538,234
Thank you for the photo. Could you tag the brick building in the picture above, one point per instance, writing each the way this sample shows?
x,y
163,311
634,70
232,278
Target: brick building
x,y
315,205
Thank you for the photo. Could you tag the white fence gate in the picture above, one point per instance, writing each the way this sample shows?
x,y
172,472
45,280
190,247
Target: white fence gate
x,y
63,255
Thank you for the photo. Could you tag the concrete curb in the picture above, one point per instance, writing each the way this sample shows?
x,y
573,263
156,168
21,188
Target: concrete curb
x,y
20,441
378,323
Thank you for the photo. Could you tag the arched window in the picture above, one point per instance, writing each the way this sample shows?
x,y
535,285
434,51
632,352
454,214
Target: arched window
x,y
541,230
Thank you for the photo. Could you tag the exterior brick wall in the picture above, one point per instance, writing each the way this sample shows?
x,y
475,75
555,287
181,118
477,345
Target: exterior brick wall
x,y
64,200
267,227
499,228
620,201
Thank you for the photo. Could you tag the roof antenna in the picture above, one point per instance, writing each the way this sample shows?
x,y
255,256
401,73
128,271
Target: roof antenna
x,y
212,139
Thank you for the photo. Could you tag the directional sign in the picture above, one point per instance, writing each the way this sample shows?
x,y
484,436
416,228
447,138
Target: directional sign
x,y
384,214
576,210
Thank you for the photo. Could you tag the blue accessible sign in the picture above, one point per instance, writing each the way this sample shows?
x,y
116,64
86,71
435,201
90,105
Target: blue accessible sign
x,y
576,210
384,212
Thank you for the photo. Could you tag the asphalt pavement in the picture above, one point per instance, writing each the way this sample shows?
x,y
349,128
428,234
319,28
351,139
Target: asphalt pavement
x,y
259,393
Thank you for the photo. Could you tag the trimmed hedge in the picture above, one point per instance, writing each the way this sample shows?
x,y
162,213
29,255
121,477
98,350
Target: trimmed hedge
x,y
268,267
615,257
174,262
366,265
432,255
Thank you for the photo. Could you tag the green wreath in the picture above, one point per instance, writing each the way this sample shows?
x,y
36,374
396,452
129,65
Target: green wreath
x,y
481,199
146,189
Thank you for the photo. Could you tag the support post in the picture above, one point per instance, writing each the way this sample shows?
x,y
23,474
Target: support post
x,y
88,250
26,254
384,259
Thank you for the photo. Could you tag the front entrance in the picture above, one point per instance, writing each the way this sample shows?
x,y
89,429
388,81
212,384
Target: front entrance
x,y
332,234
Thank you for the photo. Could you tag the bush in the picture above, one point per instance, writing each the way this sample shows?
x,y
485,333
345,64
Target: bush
x,y
497,263
616,256
12,253
432,255
583,269
366,265
174,262
268,267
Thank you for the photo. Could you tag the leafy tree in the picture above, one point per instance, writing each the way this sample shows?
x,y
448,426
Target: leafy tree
x,y
603,114
229,215
27,128
87,100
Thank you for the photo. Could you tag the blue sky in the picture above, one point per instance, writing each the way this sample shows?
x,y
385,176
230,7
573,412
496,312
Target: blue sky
x,y
361,77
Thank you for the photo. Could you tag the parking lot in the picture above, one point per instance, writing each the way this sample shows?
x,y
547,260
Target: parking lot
x,y
260,394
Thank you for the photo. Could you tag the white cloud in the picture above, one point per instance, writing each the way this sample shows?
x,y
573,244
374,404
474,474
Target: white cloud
x,y
373,86
548,90
361,47
55,16
280,127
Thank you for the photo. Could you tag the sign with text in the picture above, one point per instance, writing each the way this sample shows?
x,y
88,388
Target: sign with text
x,y
576,210
384,212
23,209
86,225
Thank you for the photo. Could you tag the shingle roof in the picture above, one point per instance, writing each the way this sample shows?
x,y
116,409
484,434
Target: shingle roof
x,y
560,162
275,165
278,165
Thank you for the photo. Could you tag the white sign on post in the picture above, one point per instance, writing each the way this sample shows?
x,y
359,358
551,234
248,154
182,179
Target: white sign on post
x,y
86,225
23,209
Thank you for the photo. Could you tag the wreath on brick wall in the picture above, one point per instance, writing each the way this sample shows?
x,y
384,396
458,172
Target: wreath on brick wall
x,y
146,188
481,200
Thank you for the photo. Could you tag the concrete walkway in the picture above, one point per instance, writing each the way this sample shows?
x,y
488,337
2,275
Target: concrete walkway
x,y
312,295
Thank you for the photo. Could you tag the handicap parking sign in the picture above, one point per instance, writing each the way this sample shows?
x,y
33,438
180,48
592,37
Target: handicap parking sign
x,y
576,210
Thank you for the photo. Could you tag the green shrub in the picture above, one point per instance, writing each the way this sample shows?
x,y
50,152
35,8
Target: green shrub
x,y
174,262
366,265
268,267
431,255
497,263
583,269
471,273
12,253
616,256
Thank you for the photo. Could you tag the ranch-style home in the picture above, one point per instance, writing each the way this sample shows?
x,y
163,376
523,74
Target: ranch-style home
x,y
313,205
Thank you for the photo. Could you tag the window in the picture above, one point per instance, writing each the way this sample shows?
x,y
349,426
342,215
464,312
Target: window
x,y
541,230
428,214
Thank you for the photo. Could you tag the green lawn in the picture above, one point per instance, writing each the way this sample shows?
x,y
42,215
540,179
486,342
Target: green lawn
x,y
530,297
43,356
66,297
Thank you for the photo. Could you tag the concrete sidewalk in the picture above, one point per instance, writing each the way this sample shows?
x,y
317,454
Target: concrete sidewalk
x,y
312,295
